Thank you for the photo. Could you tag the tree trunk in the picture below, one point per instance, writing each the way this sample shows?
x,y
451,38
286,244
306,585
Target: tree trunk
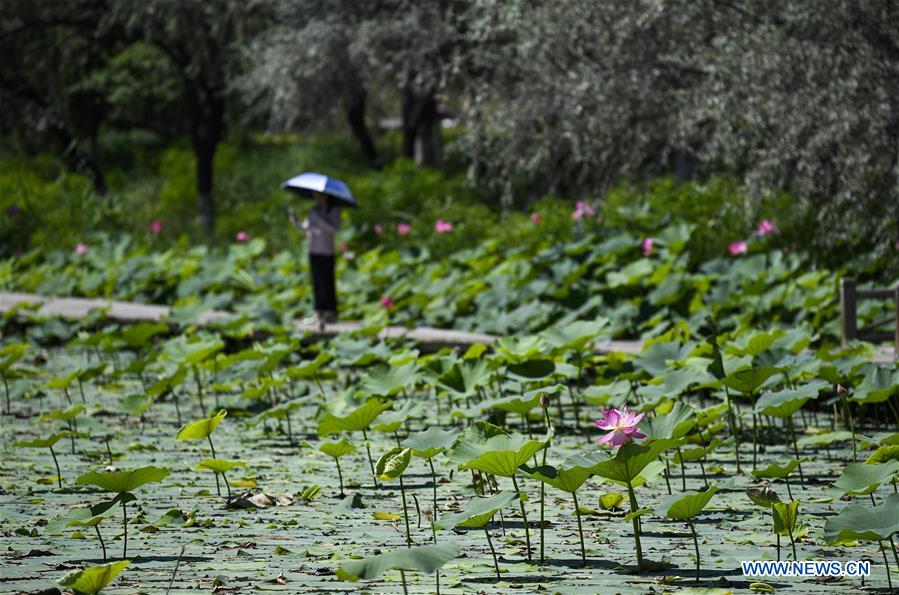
x,y
428,145
409,122
355,115
91,164
205,154
421,128
206,112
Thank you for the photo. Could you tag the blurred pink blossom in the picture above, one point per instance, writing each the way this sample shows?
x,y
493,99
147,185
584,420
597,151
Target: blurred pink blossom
x,y
387,302
80,248
378,229
342,246
441,226
403,228
536,218
156,226
647,246
739,247
582,210
242,236
765,227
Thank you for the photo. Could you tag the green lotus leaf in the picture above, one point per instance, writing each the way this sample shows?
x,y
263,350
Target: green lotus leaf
x,y
139,335
788,401
357,420
64,414
887,452
311,368
863,478
393,419
637,514
464,379
532,369
124,481
863,523
785,516
749,380
754,344
764,497
337,448
387,380
631,459
676,424
427,559
501,455
219,465
87,374
61,382
611,501
431,442
655,358
824,439
478,511
775,471
166,383
10,354
685,505
202,428
575,335
522,405
878,385
93,579
393,463
570,475
184,351
42,442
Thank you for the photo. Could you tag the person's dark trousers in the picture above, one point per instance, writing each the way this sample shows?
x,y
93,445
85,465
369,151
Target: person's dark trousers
x,y
323,284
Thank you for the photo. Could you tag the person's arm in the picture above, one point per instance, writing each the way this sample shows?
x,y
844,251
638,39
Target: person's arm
x,y
295,220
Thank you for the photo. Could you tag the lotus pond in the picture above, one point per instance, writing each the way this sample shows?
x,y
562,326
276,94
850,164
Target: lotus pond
x,y
242,456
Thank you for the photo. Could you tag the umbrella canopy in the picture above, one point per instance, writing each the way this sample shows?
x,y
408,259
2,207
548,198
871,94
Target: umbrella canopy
x,y
307,183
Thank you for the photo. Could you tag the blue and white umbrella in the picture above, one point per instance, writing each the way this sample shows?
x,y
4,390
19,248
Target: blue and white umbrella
x,y
307,183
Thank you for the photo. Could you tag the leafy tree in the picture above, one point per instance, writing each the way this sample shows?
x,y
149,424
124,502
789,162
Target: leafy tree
x,y
201,41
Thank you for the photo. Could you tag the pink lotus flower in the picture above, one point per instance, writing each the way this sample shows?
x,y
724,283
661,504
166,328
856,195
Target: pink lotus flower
x,y
765,227
378,229
80,248
647,246
242,236
621,426
582,210
739,247
536,218
387,302
403,228
442,226
156,226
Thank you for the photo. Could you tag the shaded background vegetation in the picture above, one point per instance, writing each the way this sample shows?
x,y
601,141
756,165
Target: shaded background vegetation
x,y
120,112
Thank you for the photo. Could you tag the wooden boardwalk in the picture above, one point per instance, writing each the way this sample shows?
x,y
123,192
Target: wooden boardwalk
x,y
427,337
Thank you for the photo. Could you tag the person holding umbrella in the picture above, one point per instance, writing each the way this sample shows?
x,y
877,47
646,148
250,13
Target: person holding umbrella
x,y
320,226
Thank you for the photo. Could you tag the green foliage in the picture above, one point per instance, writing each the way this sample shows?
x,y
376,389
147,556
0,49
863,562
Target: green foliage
x,y
479,511
120,482
202,428
93,579
427,559
864,523
393,463
357,420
